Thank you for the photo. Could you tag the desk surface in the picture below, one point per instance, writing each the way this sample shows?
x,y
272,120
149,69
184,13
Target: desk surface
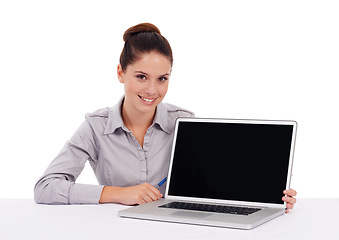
x,y
24,219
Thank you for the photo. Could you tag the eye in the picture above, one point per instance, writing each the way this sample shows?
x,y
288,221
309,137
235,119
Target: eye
x,y
141,77
163,79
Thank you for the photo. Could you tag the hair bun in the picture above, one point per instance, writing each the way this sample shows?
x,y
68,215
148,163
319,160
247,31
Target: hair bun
x,y
142,27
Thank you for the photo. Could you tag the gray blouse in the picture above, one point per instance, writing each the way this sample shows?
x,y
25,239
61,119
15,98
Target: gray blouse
x,y
113,152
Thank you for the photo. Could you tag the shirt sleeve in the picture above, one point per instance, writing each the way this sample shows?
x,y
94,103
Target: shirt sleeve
x,y
57,185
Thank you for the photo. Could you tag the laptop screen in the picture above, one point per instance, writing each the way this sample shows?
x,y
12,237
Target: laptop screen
x,y
231,161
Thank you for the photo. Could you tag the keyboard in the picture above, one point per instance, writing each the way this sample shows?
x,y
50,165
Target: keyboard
x,y
211,208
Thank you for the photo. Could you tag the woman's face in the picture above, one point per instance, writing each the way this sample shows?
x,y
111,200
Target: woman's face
x,y
145,82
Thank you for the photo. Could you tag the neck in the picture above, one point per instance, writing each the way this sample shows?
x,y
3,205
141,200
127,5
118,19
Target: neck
x,y
134,120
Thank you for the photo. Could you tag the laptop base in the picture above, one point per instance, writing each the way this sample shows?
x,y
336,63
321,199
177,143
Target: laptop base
x,y
150,211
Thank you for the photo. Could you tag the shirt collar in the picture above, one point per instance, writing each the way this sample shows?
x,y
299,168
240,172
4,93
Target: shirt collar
x,y
161,118
115,118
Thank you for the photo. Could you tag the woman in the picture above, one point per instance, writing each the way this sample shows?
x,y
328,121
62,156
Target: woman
x,y
128,145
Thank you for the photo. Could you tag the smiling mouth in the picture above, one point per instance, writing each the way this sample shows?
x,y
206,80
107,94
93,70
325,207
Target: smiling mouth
x,y
149,100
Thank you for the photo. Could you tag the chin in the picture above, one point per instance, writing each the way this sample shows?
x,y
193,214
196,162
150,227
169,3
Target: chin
x,y
148,109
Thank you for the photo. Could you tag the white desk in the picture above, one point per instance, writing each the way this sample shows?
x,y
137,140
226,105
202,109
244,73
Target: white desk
x,y
24,219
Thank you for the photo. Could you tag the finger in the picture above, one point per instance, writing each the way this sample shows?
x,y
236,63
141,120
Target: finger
x,y
289,206
290,192
143,198
151,193
289,200
147,198
154,191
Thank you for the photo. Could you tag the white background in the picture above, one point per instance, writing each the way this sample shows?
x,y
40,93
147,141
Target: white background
x,y
232,59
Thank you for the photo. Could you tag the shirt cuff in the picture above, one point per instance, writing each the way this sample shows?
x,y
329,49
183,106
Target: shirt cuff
x,y
85,194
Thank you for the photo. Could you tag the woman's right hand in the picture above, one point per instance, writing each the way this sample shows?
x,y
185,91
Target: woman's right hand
x,y
133,195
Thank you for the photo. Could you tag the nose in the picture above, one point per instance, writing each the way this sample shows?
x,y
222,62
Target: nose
x,y
151,88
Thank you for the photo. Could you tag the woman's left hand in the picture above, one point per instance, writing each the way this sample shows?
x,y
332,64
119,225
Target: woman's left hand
x,y
289,199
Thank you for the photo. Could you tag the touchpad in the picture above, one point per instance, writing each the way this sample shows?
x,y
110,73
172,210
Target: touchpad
x,y
190,214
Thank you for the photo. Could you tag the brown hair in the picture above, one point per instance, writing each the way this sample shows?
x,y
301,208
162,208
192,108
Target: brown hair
x,y
143,38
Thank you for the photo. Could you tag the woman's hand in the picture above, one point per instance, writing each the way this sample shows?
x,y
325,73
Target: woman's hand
x,y
138,194
289,199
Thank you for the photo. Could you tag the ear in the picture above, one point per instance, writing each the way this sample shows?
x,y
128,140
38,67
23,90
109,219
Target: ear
x,y
120,74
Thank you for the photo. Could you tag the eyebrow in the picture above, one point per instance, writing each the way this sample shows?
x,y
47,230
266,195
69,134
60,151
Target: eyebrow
x,y
166,74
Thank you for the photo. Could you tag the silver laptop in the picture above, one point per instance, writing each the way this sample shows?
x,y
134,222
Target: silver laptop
x,y
225,173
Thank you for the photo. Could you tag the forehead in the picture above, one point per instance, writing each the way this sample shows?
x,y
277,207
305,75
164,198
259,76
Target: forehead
x,y
151,63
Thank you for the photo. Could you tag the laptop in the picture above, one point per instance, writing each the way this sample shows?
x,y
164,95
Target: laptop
x,y
225,173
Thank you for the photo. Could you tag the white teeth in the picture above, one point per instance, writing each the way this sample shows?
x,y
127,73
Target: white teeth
x,y
147,100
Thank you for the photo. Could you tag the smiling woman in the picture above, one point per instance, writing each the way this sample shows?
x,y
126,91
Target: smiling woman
x,y
128,145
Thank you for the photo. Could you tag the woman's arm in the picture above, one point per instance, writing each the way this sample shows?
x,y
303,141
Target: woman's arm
x,y
57,185
138,194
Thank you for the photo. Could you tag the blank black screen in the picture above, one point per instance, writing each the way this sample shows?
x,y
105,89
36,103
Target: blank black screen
x,y
231,161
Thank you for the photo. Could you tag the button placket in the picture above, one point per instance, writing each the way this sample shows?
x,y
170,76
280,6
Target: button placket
x,y
143,165
147,140
141,158
143,169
